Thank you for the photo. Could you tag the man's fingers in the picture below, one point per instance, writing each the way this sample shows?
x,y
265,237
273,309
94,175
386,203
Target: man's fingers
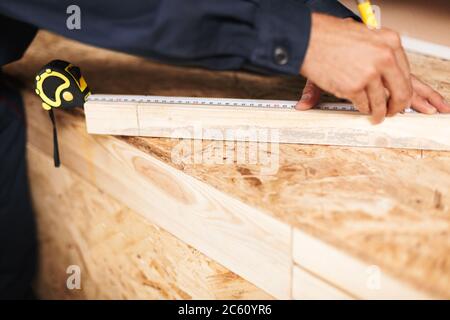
x,y
427,93
361,102
377,100
393,40
393,62
422,105
439,102
398,85
310,96
403,63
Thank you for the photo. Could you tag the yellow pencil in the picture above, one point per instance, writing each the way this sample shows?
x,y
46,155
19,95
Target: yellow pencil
x,y
367,14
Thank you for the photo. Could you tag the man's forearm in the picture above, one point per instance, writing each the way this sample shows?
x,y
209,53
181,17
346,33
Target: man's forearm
x,y
15,37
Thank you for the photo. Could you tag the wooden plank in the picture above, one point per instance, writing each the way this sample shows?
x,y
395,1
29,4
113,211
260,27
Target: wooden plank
x,y
120,254
306,286
360,279
425,47
412,131
243,239
123,121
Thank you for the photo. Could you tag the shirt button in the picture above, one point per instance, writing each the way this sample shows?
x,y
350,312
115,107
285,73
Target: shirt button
x,y
281,56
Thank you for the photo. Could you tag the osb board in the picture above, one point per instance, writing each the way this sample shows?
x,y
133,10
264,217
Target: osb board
x,y
120,254
389,207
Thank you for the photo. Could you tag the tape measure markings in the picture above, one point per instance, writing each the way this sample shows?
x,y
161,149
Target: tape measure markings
x,y
224,102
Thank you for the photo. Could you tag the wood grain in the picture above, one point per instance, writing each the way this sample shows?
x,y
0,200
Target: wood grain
x,y
225,229
115,121
412,131
384,207
350,276
120,254
308,286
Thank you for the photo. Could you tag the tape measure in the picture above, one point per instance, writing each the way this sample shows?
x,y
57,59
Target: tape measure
x,y
224,102
60,84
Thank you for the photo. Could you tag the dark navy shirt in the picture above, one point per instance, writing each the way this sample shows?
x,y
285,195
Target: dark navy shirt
x,y
265,35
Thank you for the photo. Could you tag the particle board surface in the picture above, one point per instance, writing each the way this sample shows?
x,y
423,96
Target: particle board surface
x,y
388,208
120,254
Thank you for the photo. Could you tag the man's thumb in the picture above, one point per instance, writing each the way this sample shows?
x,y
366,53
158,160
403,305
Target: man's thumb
x,y
310,97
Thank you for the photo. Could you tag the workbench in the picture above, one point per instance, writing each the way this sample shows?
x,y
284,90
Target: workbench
x,y
329,222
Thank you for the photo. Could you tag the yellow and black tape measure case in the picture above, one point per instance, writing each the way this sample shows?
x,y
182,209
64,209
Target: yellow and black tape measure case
x,y
60,85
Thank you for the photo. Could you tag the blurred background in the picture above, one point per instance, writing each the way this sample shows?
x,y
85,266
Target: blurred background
x,y
425,20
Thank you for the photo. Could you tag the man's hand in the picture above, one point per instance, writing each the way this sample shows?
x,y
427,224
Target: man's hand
x,y
425,99
367,67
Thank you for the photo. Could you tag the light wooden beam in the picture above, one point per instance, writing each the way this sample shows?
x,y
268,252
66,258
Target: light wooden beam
x,y
352,276
121,255
342,128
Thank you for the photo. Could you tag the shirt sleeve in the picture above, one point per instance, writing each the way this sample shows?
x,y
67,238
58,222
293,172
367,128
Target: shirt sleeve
x,y
331,7
264,35
15,36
